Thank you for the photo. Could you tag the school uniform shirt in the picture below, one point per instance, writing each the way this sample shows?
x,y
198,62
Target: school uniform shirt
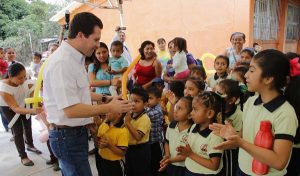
x,y
156,117
214,80
284,124
117,135
202,143
65,84
234,116
176,138
141,123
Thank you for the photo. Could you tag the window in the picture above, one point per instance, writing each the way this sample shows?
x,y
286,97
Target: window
x,y
293,23
266,19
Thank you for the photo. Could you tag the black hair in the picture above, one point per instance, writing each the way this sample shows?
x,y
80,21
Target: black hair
x,y
249,51
14,70
291,55
90,59
198,83
117,43
160,40
224,58
84,22
213,101
1,48
143,46
242,70
154,91
199,70
233,90
273,63
97,63
237,33
189,101
37,54
181,44
254,44
139,91
231,87
292,94
177,87
169,43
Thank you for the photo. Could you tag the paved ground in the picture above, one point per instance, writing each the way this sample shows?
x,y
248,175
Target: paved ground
x,y
10,163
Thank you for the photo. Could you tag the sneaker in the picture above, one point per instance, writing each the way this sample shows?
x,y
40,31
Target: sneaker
x,y
56,167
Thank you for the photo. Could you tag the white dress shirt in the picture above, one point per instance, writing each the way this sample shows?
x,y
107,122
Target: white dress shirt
x,y
65,84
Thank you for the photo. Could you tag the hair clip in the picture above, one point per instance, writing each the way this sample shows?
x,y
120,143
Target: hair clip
x,y
221,95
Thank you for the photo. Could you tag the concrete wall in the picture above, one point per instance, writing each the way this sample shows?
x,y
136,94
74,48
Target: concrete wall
x,y
207,25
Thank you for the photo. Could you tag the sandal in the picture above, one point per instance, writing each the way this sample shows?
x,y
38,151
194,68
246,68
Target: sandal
x,y
27,162
33,149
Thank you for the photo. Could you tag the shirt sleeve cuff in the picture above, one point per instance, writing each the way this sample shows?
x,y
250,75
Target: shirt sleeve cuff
x,y
212,155
285,137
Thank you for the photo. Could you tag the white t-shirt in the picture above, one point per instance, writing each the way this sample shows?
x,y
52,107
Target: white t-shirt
x,y
19,93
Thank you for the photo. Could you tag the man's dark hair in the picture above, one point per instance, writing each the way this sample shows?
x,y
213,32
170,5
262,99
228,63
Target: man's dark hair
x,y
84,22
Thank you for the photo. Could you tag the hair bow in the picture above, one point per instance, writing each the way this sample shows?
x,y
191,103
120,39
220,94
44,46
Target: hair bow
x,y
294,67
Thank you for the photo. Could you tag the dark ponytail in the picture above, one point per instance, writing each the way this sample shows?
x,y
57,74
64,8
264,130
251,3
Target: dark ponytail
x,y
292,94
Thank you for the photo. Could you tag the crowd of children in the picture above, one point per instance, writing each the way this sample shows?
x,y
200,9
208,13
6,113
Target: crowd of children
x,y
211,122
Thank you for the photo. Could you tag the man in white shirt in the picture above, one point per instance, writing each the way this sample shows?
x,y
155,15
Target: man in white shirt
x,y
121,36
67,97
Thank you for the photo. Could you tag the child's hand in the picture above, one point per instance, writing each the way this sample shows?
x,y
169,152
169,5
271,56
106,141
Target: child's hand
x,y
224,131
104,143
127,118
93,127
38,110
184,150
114,72
164,163
171,97
116,82
169,66
231,142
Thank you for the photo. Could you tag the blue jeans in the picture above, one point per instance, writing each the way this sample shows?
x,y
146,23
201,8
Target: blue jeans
x,y
4,121
70,146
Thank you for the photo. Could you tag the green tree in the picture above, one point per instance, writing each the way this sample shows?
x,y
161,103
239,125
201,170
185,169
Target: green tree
x,y
24,24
